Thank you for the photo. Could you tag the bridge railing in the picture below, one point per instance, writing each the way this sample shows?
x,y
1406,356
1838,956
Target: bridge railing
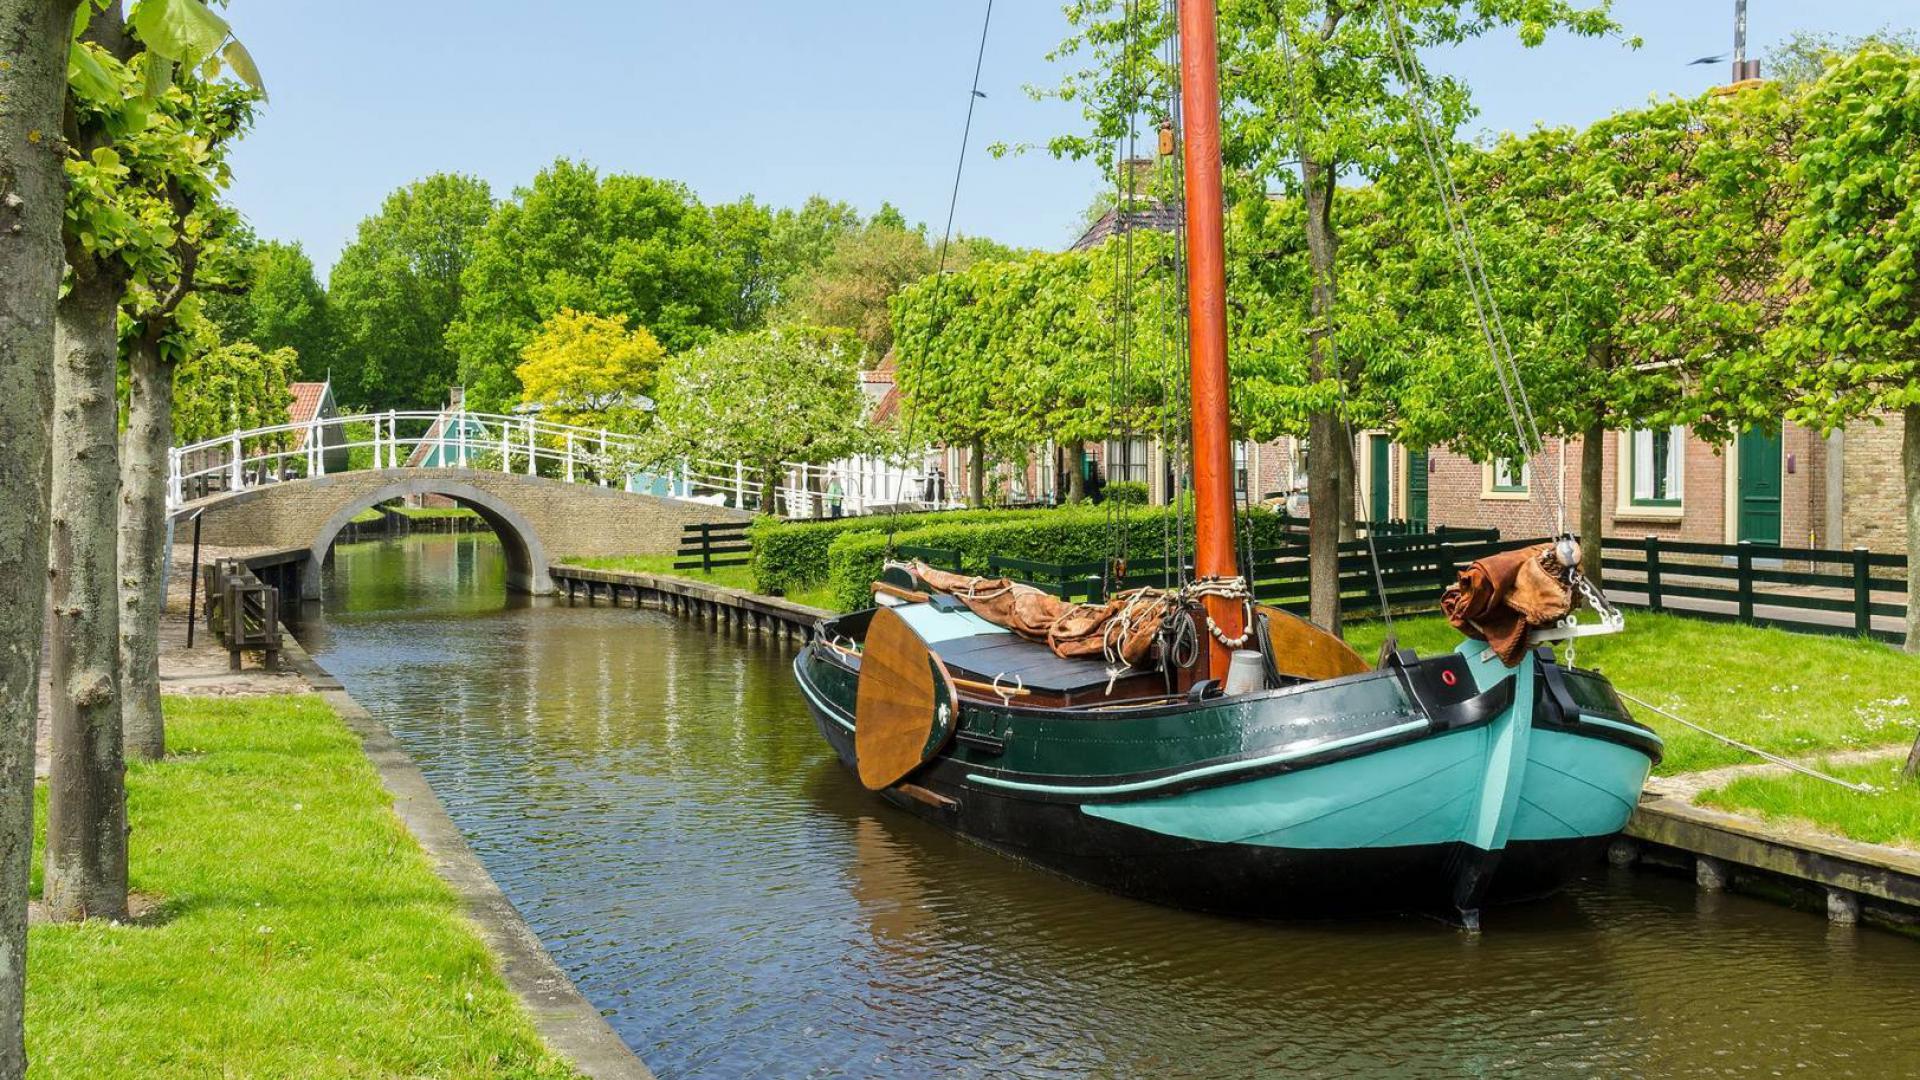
x,y
528,445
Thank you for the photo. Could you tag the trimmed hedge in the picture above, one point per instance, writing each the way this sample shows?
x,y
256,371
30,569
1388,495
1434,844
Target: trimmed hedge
x,y
1076,534
789,556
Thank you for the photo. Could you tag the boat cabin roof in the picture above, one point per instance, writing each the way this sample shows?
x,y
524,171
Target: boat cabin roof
x,y
968,643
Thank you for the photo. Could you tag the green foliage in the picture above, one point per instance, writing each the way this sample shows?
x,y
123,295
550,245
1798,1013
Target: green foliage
x,y
1125,493
231,388
590,370
790,394
398,286
279,304
1852,329
1800,59
789,556
770,253
1070,534
624,246
301,931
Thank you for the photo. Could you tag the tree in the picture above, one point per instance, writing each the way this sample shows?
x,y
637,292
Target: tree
x,y
184,150
1312,90
1852,329
590,370
32,192
236,387
277,302
767,252
626,246
769,397
852,288
1798,61
396,289
127,145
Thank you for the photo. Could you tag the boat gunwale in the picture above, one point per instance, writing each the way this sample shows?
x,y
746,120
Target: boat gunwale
x,y
1252,765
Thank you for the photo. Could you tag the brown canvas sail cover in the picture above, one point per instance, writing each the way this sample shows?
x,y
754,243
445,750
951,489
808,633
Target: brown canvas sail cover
x,y
1123,626
1499,598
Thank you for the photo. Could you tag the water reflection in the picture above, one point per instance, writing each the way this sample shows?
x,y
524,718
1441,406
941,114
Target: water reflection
x,y
653,800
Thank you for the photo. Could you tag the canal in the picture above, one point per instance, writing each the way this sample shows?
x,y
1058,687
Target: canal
x,y
654,800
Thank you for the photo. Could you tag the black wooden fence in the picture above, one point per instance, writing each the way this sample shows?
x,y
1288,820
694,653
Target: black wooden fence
x,y
1807,590
1811,590
707,545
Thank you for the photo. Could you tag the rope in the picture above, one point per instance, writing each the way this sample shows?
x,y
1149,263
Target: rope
x,y
1473,267
946,242
1864,789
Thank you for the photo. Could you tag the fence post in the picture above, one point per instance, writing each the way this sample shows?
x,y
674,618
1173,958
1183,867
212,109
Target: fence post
x,y
317,438
706,549
1653,573
393,440
1863,593
1745,563
462,421
740,485
506,446
236,477
569,457
173,479
533,450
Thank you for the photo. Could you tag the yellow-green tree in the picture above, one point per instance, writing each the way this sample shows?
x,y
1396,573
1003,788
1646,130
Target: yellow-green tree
x,y
590,370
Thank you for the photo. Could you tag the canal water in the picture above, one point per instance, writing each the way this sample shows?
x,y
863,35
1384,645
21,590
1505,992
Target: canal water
x,y
655,802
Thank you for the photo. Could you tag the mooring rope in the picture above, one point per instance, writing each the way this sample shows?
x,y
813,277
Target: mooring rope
x,y
1864,789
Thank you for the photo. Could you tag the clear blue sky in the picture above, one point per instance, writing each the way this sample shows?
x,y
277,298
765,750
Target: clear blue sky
x,y
857,99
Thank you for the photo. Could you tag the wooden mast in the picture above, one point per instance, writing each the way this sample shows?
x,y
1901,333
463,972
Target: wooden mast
x,y
1207,319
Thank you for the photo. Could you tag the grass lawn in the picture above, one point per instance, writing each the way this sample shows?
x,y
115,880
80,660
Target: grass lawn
x,y
367,516
1792,694
423,513
1890,817
300,932
730,577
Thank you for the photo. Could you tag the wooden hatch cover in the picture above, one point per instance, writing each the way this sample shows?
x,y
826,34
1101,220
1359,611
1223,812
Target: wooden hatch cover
x,y
1304,651
905,710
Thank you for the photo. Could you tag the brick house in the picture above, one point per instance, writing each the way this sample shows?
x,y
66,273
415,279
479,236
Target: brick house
x,y
1795,488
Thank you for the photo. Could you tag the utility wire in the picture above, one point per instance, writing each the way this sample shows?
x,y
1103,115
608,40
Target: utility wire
x,y
1864,789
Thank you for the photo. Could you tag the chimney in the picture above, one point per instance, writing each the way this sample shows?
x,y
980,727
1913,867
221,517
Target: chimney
x,y
1135,176
456,398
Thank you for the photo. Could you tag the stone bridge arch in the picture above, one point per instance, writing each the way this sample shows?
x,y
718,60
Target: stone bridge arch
x,y
538,519
525,554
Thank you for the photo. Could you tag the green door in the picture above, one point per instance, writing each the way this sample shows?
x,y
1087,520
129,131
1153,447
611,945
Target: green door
x,y
1380,503
1417,487
1759,487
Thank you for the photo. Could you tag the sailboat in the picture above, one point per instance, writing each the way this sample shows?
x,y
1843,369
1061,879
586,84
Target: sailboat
x,y
1194,748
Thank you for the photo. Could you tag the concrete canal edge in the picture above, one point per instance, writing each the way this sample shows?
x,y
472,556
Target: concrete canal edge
x,y
726,608
566,1021
1860,882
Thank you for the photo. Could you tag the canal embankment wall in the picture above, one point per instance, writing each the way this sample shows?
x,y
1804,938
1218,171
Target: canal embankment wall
x,y
1853,882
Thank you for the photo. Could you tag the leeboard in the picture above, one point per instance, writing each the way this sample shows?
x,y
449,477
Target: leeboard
x,y
906,709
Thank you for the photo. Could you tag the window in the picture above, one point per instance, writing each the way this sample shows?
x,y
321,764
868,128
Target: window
x,y
1511,476
1127,460
1239,470
1658,457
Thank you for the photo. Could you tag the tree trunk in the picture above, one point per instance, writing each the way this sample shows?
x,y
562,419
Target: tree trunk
x,y
86,861
143,554
1910,465
769,488
33,86
1327,446
1593,456
1077,472
976,474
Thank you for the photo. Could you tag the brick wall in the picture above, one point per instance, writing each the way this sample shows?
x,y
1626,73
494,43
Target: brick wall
x,y
1457,495
1874,510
